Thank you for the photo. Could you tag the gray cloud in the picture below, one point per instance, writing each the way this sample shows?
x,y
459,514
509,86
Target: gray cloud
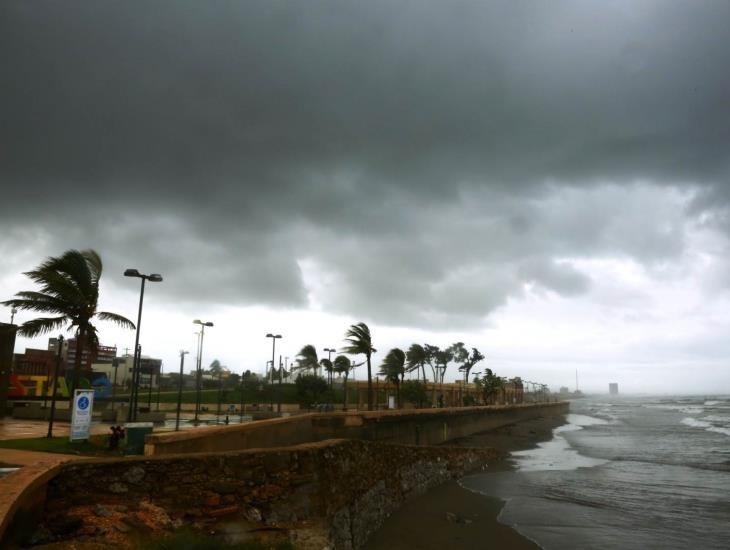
x,y
427,159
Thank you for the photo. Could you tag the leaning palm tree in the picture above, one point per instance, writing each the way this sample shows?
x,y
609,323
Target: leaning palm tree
x,y
307,359
70,292
359,342
416,359
343,366
327,366
393,368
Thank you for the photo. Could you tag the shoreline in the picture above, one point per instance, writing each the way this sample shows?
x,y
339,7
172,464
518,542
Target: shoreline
x,y
451,516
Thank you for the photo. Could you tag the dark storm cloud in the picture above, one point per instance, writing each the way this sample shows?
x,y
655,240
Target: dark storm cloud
x,y
441,153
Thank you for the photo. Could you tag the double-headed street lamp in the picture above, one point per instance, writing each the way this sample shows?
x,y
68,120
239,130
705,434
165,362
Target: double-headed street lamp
x,y
273,352
200,361
153,278
13,311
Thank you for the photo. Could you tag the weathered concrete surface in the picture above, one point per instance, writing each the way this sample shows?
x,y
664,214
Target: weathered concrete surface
x,y
23,491
411,427
340,490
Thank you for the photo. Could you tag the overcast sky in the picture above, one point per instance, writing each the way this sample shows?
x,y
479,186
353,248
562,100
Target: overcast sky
x,y
546,181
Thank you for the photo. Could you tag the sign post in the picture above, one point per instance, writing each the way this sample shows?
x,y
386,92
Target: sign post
x,y
83,404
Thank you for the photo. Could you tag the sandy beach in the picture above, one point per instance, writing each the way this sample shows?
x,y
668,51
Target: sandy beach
x,y
451,517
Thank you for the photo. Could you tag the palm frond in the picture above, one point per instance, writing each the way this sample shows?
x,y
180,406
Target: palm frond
x,y
37,301
358,340
114,318
42,325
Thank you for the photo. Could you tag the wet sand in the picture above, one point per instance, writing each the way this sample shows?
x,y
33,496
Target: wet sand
x,y
451,517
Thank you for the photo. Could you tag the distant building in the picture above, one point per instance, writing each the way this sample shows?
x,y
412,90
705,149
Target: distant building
x,y
89,356
149,370
613,388
564,389
36,362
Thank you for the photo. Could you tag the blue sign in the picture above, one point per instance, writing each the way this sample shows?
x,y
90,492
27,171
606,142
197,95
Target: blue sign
x,y
83,403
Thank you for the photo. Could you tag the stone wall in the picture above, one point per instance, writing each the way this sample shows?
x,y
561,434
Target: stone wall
x,y
411,427
342,490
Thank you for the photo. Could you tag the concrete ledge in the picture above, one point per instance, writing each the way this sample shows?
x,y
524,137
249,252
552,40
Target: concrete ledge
x,y
411,427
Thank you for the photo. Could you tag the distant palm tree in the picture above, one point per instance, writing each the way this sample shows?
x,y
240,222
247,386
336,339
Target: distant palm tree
x,y
393,368
307,359
360,342
326,364
69,292
343,366
416,358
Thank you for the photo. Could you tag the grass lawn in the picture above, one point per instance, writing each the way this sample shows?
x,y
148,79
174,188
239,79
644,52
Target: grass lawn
x,y
97,446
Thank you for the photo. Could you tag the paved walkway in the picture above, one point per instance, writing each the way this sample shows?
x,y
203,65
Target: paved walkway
x,y
12,428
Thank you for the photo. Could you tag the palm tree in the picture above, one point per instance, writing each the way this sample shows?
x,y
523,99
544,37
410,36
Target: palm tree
x,y
393,368
327,366
360,342
343,366
307,359
416,358
70,292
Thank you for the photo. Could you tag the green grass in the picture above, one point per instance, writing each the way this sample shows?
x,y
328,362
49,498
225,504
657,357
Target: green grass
x,y
95,447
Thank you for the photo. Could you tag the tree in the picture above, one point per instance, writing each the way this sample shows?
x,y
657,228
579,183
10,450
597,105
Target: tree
x,y
343,366
441,359
416,358
473,359
326,364
431,352
490,384
70,293
310,389
414,392
215,368
307,359
359,341
393,368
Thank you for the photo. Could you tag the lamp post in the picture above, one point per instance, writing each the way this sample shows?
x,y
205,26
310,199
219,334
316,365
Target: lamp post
x,y
200,363
153,278
13,311
273,352
179,389
273,355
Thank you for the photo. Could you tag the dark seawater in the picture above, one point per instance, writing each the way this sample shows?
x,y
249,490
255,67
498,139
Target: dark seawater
x,y
624,473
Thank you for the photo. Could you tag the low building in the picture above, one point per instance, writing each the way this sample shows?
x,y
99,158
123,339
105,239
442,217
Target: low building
x,y
119,371
613,388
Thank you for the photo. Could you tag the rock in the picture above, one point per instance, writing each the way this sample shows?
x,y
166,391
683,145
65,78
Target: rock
x,y
102,511
122,528
220,512
65,525
134,475
212,500
223,488
136,523
40,536
118,488
253,514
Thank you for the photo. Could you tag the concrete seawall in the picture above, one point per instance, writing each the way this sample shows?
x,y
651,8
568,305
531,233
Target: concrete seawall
x,y
410,427
332,493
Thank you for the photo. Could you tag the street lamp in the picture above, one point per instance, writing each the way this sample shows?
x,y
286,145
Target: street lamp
x,y
273,355
153,278
13,311
273,352
179,389
200,362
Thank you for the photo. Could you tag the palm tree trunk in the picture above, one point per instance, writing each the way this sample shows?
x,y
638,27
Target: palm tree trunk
x,y
370,385
346,375
80,335
423,371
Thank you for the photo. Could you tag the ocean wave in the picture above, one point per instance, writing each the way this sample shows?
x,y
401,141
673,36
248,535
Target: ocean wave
x,y
695,423
719,430
711,403
717,418
686,409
